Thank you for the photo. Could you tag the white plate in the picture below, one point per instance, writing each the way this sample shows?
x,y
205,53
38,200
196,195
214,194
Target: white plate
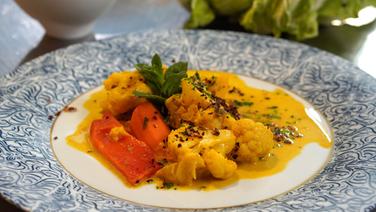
x,y
82,166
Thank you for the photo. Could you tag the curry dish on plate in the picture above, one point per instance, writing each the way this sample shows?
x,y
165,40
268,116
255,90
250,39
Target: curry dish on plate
x,y
182,128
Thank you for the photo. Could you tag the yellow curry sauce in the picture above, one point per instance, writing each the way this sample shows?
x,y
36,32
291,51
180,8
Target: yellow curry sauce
x,y
265,106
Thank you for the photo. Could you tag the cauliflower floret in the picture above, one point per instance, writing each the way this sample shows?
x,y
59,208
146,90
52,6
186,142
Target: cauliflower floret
x,y
194,149
255,140
219,166
120,87
222,141
198,106
184,171
194,94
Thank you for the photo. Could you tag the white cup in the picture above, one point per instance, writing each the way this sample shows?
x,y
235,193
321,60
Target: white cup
x,y
66,19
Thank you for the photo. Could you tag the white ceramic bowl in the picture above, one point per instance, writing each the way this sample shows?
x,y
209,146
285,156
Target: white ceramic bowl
x,y
66,19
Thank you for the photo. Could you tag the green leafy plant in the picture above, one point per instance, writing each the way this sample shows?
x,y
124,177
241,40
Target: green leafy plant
x,y
162,83
297,18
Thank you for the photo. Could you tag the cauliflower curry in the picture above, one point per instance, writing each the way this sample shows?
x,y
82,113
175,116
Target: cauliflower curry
x,y
191,129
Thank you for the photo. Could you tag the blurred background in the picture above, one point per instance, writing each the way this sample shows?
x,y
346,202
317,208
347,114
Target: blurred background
x,y
23,38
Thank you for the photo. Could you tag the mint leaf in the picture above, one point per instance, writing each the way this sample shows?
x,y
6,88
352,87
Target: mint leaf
x,y
153,74
162,85
156,63
151,97
172,79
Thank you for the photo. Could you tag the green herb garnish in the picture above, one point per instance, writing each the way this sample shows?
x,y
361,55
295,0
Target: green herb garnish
x,y
242,103
163,85
167,185
152,97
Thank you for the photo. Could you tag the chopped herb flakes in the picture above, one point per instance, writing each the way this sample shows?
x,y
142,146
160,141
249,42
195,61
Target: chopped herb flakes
x,y
167,185
145,123
242,103
286,135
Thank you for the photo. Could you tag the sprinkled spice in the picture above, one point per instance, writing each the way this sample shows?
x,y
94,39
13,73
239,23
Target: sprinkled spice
x,y
273,107
211,81
215,132
50,117
234,152
242,103
236,90
70,109
167,185
192,131
55,138
286,134
220,106
145,123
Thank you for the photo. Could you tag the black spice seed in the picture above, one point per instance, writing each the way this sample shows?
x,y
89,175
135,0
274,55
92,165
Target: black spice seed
x,y
179,145
145,123
215,132
55,138
50,117
70,109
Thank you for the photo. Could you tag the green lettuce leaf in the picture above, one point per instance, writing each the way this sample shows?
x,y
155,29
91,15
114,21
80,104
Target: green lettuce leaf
x,y
201,14
295,17
230,7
